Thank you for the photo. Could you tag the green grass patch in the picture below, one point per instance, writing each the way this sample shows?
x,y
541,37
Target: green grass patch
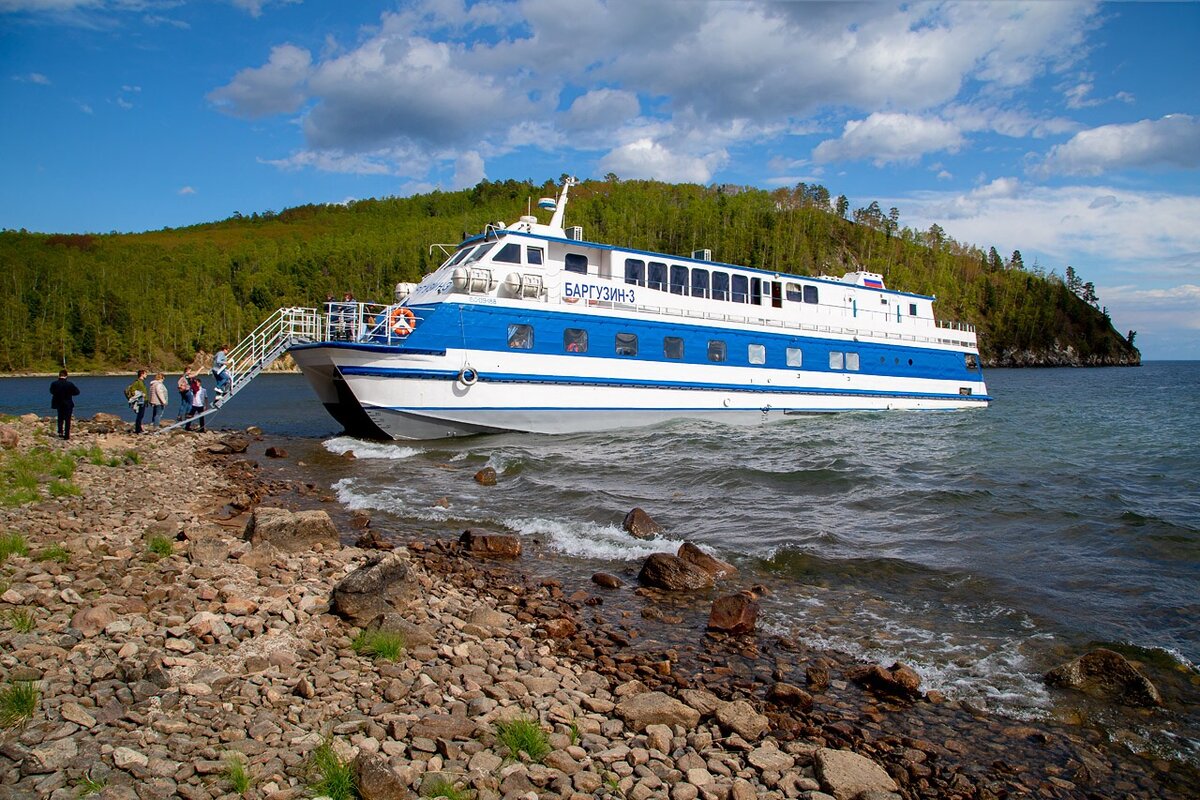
x,y
12,544
17,703
64,489
22,620
444,787
97,457
523,735
331,776
388,645
160,546
55,552
236,773
86,786
22,473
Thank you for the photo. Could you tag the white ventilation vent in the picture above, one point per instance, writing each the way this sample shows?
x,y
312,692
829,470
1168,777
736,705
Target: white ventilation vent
x,y
575,233
702,255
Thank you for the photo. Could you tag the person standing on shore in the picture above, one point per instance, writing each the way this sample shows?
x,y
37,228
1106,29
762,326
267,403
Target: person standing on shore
x,y
62,399
184,387
135,393
199,400
158,398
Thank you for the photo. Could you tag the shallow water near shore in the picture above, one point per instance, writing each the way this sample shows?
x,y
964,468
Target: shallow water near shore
x,y
981,547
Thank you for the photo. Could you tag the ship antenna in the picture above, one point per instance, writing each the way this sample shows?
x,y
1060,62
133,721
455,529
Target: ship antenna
x,y
557,220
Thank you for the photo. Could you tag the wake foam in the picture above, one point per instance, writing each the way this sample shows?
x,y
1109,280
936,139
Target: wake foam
x,y
340,445
589,540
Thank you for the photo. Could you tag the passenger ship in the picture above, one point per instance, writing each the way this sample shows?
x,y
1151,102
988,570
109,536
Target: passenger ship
x,y
529,327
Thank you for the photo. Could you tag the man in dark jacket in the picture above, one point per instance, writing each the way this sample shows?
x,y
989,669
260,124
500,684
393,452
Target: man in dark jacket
x,y
62,398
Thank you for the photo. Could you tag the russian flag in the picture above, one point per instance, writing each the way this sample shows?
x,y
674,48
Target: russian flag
x,y
871,283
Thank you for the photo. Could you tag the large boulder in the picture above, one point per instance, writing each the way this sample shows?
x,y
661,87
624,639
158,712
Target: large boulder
x,y
291,532
375,779
229,445
639,525
899,679
1106,674
656,708
665,571
786,694
377,587
735,613
493,545
847,775
698,558
91,620
741,718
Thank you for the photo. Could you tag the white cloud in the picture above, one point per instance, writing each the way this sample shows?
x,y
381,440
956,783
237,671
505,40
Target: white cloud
x,y
277,87
396,89
1173,141
694,79
601,109
334,161
186,190
46,6
32,77
255,7
884,138
468,170
1064,224
651,159
1167,319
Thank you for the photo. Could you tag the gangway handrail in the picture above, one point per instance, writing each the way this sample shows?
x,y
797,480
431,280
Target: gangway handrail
x,y
284,329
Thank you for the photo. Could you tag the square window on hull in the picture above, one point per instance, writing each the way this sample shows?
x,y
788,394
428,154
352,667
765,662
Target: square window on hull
x,y
520,337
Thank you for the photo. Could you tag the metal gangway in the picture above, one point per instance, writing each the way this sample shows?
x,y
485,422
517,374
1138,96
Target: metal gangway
x,y
280,332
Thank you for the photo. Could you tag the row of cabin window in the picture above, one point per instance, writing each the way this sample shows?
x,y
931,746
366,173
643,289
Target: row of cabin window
x,y
715,284
674,278
575,340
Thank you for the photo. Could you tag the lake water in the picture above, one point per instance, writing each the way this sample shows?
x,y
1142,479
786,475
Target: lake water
x,y
982,547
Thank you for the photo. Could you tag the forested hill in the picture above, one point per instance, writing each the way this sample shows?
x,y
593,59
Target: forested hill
x,y
121,300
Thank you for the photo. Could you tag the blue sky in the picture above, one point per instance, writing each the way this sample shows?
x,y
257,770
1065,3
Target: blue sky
x,y
1069,131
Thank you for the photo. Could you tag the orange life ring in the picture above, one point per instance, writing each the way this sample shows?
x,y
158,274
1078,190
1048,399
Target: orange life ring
x,y
403,321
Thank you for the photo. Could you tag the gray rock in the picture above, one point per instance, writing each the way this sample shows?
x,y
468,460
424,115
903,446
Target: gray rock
x,y
495,545
92,620
656,708
377,587
741,718
845,775
698,558
376,780
665,571
1107,674
640,525
291,532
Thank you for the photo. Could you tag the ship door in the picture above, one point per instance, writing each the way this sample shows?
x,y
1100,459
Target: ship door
x,y
756,291
776,294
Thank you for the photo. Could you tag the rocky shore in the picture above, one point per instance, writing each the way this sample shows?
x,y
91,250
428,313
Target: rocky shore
x,y
194,630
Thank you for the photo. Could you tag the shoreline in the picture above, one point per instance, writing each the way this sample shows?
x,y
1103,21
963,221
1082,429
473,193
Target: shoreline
x,y
224,646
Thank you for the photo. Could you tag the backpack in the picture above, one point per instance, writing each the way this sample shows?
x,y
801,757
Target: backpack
x,y
135,397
